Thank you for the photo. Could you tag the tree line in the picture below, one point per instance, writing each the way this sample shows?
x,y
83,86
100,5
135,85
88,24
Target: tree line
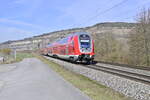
x,y
137,51
139,40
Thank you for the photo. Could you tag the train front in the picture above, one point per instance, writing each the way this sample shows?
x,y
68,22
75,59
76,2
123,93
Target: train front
x,y
86,47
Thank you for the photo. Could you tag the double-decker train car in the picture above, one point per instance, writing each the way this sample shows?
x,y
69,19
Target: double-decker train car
x,y
78,46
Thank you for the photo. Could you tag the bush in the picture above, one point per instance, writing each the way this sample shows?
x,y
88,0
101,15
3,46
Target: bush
x,y
6,51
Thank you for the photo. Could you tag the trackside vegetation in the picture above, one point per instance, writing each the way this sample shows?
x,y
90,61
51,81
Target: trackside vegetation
x,y
5,51
91,88
9,56
21,56
132,49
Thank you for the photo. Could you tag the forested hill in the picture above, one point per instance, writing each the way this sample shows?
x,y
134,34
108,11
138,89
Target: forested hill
x,y
120,29
104,25
116,24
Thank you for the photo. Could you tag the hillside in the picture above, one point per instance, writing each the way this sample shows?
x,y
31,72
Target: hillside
x,y
120,29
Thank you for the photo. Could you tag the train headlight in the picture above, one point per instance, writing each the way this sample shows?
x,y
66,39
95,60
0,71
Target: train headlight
x,y
89,49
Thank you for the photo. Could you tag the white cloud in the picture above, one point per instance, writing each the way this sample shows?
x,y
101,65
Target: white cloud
x,y
13,33
21,23
20,1
4,20
13,30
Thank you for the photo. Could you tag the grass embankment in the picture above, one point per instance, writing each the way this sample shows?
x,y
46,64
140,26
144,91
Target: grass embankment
x,y
21,56
91,88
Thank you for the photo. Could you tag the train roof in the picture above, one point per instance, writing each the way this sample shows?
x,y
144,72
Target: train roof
x,y
73,34
65,39
78,33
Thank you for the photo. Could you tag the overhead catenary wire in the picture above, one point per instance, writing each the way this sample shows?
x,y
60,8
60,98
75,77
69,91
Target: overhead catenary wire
x,y
137,7
103,12
97,10
106,11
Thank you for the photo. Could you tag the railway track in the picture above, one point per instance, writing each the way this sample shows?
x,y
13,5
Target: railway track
x,y
132,82
127,74
125,65
120,71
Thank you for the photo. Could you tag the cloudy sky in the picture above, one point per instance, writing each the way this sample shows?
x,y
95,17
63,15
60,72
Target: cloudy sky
x,y
25,18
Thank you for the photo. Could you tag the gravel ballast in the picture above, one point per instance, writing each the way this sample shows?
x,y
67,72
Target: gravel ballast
x,y
133,70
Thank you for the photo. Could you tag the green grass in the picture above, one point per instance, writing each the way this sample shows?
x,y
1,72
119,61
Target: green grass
x,y
94,90
21,56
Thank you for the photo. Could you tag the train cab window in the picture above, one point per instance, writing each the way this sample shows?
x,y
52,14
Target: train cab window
x,y
84,41
85,44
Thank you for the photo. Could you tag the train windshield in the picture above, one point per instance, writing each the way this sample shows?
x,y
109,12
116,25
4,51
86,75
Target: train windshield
x,y
85,41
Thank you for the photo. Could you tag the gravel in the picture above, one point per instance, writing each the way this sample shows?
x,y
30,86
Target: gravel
x,y
133,70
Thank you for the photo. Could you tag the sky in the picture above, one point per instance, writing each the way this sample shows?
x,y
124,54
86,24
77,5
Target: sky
x,y
25,18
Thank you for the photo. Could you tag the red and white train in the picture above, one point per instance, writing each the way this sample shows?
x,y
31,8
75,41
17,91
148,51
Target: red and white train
x,y
78,46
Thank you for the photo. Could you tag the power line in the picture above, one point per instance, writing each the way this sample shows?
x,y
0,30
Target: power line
x,y
89,15
137,7
104,11
107,10
94,11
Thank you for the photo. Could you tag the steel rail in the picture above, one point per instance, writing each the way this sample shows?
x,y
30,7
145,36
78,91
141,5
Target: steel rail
x,y
118,72
126,74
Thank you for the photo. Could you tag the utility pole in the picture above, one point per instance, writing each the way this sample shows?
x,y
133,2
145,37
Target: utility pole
x,y
15,54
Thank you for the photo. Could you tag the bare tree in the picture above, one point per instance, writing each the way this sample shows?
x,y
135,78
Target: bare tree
x,y
107,47
140,39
